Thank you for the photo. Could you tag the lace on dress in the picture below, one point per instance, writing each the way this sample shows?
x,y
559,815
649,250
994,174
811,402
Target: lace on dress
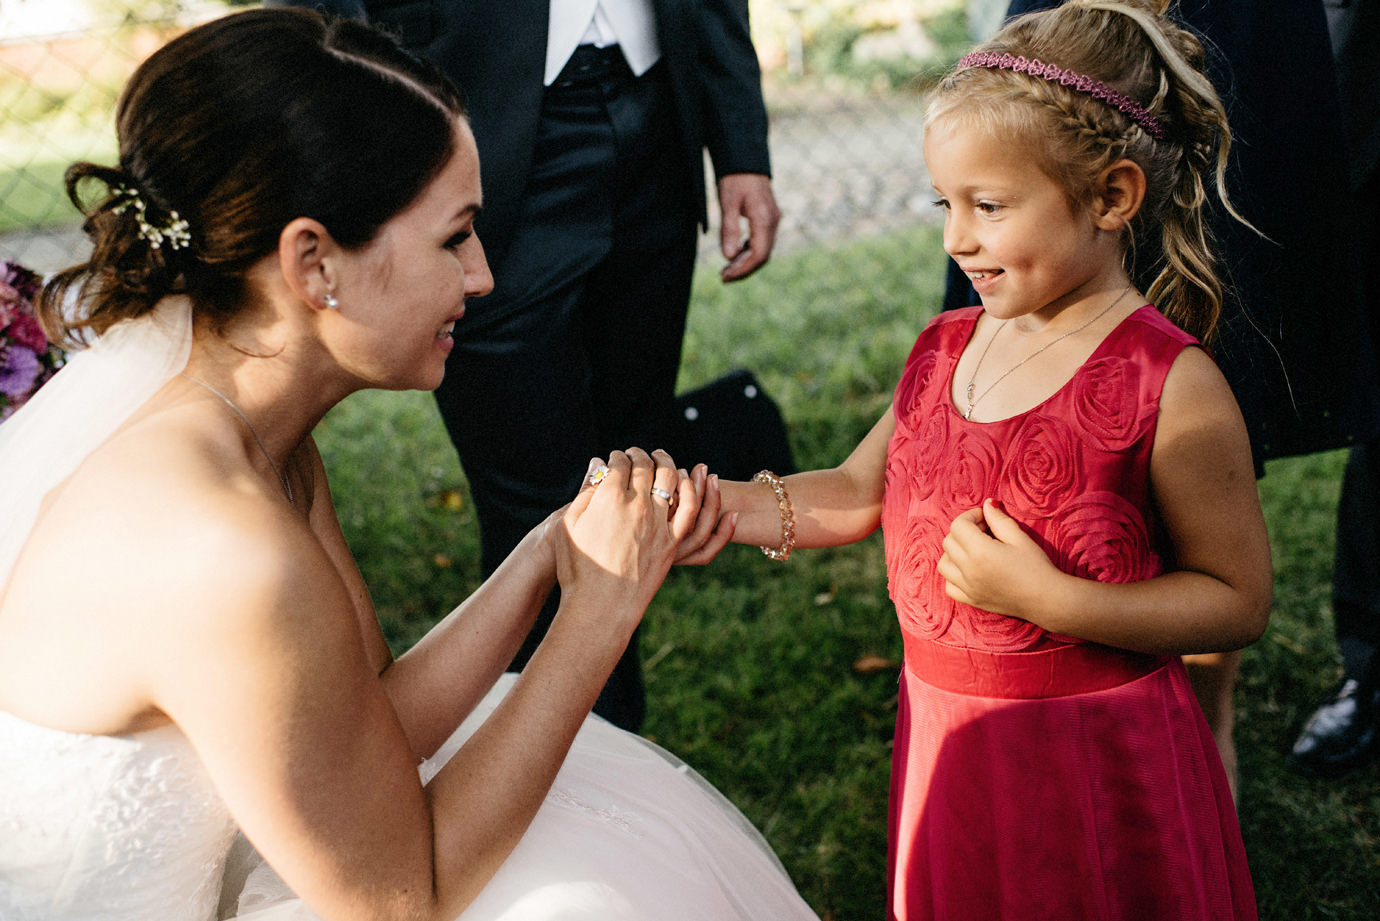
x,y
115,827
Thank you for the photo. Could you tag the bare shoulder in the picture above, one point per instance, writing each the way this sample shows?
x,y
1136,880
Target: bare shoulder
x,y
1199,419
171,559
225,543
1193,369
191,509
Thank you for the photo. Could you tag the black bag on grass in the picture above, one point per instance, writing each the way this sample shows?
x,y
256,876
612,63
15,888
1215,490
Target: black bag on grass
x,y
733,427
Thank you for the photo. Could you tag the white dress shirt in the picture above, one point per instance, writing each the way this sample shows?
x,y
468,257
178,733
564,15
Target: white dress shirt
x,y
630,24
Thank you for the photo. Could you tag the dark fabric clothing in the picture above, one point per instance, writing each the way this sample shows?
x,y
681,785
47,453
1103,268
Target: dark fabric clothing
x,y
579,356
495,50
1355,31
594,190
1356,566
609,259
1295,341
1299,339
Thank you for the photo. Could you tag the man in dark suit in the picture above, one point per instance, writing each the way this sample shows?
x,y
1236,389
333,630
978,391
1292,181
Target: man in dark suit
x,y
592,117
1343,733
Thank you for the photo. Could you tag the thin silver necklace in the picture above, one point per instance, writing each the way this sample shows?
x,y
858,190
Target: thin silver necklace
x,y
968,392
282,478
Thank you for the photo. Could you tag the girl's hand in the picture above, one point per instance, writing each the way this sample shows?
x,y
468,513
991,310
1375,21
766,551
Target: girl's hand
x,y
990,562
712,531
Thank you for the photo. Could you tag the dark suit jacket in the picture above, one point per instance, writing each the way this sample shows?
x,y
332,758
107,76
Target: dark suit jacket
x,y
495,50
1293,340
1355,28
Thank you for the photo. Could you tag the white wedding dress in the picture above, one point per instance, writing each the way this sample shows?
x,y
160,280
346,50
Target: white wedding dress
x,y
130,828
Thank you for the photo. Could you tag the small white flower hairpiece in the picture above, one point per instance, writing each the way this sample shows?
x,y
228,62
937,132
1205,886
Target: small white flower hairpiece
x,y
176,232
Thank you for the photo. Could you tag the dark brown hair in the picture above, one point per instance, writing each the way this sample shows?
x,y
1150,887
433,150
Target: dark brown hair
x,y
239,126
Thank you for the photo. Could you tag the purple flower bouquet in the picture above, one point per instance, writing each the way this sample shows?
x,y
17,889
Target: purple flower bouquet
x,y
27,358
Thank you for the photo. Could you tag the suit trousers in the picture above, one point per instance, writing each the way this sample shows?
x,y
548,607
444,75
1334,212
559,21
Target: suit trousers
x,y
1356,564
575,353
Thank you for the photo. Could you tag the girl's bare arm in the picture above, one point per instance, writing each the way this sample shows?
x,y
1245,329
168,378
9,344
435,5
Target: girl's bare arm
x,y
1217,592
836,506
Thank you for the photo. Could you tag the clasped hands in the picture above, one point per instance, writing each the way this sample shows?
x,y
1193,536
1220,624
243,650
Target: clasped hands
x,y
620,534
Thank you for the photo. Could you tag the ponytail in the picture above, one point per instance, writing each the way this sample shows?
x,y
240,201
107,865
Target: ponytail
x,y
1131,49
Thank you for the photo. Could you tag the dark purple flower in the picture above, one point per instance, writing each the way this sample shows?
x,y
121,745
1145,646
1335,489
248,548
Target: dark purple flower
x,y
19,370
27,359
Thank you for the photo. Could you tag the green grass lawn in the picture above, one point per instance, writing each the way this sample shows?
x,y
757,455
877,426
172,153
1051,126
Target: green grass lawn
x,y
778,682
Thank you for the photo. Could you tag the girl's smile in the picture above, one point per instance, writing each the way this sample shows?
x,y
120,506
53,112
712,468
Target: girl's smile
x,y
1012,229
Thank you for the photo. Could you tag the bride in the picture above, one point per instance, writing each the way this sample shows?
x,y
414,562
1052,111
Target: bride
x,y
187,650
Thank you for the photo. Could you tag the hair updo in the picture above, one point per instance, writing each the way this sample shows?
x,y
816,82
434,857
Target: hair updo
x,y
237,127
1132,47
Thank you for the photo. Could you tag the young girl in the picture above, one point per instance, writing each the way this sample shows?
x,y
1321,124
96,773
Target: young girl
x,y
1066,492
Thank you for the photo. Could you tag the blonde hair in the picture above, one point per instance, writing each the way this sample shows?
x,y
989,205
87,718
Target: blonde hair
x,y
1133,48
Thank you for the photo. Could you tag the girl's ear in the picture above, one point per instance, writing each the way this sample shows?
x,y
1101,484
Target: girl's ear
x,y
306,257
1120,193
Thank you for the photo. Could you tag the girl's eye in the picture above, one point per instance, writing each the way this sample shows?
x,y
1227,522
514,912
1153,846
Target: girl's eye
x,y
941,203
988,207
456,241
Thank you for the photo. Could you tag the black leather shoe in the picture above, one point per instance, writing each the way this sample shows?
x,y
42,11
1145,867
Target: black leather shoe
x,y
1342,734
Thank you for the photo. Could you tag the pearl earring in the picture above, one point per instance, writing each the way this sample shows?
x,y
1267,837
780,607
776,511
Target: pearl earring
x,y
332,302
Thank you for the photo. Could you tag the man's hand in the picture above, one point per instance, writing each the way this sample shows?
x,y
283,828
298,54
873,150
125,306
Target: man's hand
x,y
746,196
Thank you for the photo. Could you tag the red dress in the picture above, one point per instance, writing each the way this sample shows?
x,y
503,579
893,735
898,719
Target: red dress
x,y
1037,776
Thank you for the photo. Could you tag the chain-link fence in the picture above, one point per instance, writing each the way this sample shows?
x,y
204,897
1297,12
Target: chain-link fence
x,y
840,79
62,64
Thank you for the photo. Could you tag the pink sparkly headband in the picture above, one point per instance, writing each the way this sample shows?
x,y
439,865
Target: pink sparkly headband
x,y
1083,84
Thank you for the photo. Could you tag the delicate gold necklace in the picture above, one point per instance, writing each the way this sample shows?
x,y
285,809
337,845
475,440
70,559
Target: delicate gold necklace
x,y
968,392
282,478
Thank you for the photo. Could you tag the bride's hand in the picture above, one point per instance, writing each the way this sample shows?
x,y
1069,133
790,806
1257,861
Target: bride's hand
x,y
620,535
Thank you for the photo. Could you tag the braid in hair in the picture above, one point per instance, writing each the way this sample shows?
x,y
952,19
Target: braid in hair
x,y
1136,51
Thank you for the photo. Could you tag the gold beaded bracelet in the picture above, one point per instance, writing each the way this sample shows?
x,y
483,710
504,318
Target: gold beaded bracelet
x,y
783,503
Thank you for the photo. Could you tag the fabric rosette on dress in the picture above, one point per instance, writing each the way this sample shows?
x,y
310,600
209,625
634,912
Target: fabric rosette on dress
x,y
1006,732
1043,468
921,603
1108,403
